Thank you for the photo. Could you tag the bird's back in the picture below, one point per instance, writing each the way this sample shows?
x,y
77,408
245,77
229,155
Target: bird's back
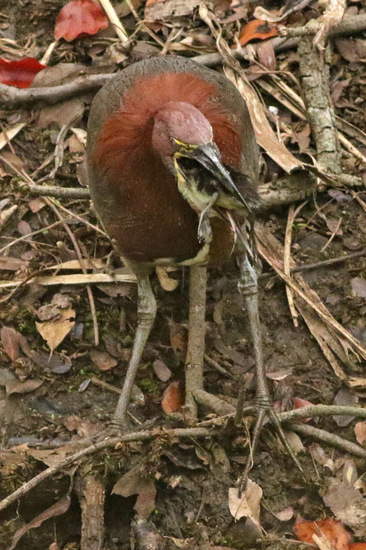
x,y
135,195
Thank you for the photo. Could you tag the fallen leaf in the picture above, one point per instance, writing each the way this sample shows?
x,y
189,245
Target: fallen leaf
x,y
178,339
8,263
173,398
135,482
56,509
360,432
332,529
15,386
19,73
10,342
344,397
347,503
80,17
54,332
299,403
248,505
320,456
161,370
358,285
286,514
103,360
256,29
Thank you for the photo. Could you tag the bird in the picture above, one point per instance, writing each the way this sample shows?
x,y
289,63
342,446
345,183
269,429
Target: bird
x,y
173,168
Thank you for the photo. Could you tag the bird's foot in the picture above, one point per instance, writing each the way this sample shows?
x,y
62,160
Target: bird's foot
x,y
264,411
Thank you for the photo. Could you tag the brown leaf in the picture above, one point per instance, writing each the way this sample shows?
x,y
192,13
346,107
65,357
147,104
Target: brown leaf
x,y
15,386
54,332
173,398
360,432
332,529
161,370
10,342
103,360
358,285
178,340
56,509
266,54
256,29
248,505
8,263
134,482
344,397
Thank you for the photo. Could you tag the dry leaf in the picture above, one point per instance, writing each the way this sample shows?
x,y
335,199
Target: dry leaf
x,y
256,29
54,332
173,398
161,370
358,285
178,340
360,432
103,360
10,342
286,514
56,509
332,529
248,505
134,482
15,386
345,397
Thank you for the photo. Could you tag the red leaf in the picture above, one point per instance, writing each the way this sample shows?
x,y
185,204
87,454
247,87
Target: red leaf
x,y
357,546
80,17
256,29
299,403
19,73
332,529
173,398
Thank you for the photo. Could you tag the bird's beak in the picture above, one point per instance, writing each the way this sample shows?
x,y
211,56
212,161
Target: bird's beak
x,y
208,155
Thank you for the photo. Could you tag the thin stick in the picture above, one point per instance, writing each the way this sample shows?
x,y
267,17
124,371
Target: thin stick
x,y
114,19
106,444
196,337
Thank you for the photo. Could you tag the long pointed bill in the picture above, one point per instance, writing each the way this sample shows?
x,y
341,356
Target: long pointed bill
x,y
208,156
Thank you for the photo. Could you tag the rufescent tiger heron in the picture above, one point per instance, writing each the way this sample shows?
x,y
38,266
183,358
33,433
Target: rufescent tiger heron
x,y
173,170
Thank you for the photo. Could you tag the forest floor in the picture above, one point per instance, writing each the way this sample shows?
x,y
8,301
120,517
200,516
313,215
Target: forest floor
x,y
66,338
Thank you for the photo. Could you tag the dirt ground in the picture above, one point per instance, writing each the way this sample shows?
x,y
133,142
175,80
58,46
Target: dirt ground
x,y
53,404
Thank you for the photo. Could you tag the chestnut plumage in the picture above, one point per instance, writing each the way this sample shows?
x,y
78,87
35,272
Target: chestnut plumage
x,y
171,153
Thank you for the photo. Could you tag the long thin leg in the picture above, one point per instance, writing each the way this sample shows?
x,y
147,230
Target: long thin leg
x,y
196,336
248,286
146,317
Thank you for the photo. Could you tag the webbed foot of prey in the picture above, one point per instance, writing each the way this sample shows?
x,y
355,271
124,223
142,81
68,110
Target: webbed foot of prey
x,y
204,231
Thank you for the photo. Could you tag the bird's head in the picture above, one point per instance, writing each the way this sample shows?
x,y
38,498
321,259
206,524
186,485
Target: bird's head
x,y
181,131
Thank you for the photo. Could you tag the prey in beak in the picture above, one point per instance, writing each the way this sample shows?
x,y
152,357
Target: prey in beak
x,y
207,185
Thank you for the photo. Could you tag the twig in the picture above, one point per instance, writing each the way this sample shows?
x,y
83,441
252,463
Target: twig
x,y
320,265
331,439
349,25
12,97
321,410
287,257
214,364
114,19
55,191
106,444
